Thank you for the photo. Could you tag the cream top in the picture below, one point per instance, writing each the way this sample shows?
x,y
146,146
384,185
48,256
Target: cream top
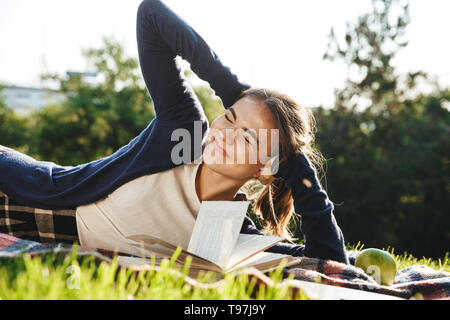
x,y
163,204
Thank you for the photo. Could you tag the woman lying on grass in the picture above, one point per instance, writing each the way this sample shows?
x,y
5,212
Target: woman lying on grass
x,y
150,187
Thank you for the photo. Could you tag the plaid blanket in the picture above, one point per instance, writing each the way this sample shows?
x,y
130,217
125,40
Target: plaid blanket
x,y
417,281
49,226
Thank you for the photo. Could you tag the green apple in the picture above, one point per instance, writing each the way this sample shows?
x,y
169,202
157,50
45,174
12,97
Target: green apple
x,y
378,264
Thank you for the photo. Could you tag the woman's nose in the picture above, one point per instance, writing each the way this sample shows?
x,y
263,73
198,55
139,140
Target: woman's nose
x,y
229,136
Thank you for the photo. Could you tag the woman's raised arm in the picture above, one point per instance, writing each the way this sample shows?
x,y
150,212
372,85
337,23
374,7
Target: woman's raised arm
x,y
161,36
323,237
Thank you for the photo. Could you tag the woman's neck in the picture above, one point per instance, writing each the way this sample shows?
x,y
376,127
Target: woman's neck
x,y
212,186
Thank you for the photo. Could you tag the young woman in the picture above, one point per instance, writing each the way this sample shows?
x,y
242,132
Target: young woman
x,y
142,189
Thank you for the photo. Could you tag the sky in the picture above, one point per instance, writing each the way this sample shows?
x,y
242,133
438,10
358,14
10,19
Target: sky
x,y
274,44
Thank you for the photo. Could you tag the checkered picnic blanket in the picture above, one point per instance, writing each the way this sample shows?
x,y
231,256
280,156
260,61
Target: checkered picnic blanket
x,y
416,281
47,226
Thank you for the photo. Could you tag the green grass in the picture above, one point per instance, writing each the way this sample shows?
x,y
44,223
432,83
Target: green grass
x,y
65,277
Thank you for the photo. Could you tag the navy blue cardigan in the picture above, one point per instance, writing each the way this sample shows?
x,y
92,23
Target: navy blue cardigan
x,y
161,36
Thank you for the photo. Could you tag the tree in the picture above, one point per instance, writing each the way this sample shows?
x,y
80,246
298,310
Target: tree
x,y
4,110
99,118
388,172
368,50
12,126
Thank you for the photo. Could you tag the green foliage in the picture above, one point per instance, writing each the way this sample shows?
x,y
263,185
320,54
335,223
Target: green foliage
x,y
2,99
12,126
97,119
389,176
368,48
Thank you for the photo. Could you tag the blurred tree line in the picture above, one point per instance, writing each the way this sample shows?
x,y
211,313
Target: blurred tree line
x,y
386,141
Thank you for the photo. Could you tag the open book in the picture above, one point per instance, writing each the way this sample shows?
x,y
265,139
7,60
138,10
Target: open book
x,y
216,243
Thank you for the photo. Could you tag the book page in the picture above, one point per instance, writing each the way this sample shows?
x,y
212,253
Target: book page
x,y
248,245
217,229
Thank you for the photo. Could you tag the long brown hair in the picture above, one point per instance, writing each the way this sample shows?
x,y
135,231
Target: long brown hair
x,y
297,126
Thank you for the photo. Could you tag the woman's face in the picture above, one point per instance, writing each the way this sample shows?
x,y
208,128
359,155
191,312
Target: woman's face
x,y
241,140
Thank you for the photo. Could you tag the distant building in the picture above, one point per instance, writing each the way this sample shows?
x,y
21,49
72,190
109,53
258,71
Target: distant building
x,y
24,99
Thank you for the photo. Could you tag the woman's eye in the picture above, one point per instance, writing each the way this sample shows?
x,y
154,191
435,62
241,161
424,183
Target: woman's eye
x,y
246,139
